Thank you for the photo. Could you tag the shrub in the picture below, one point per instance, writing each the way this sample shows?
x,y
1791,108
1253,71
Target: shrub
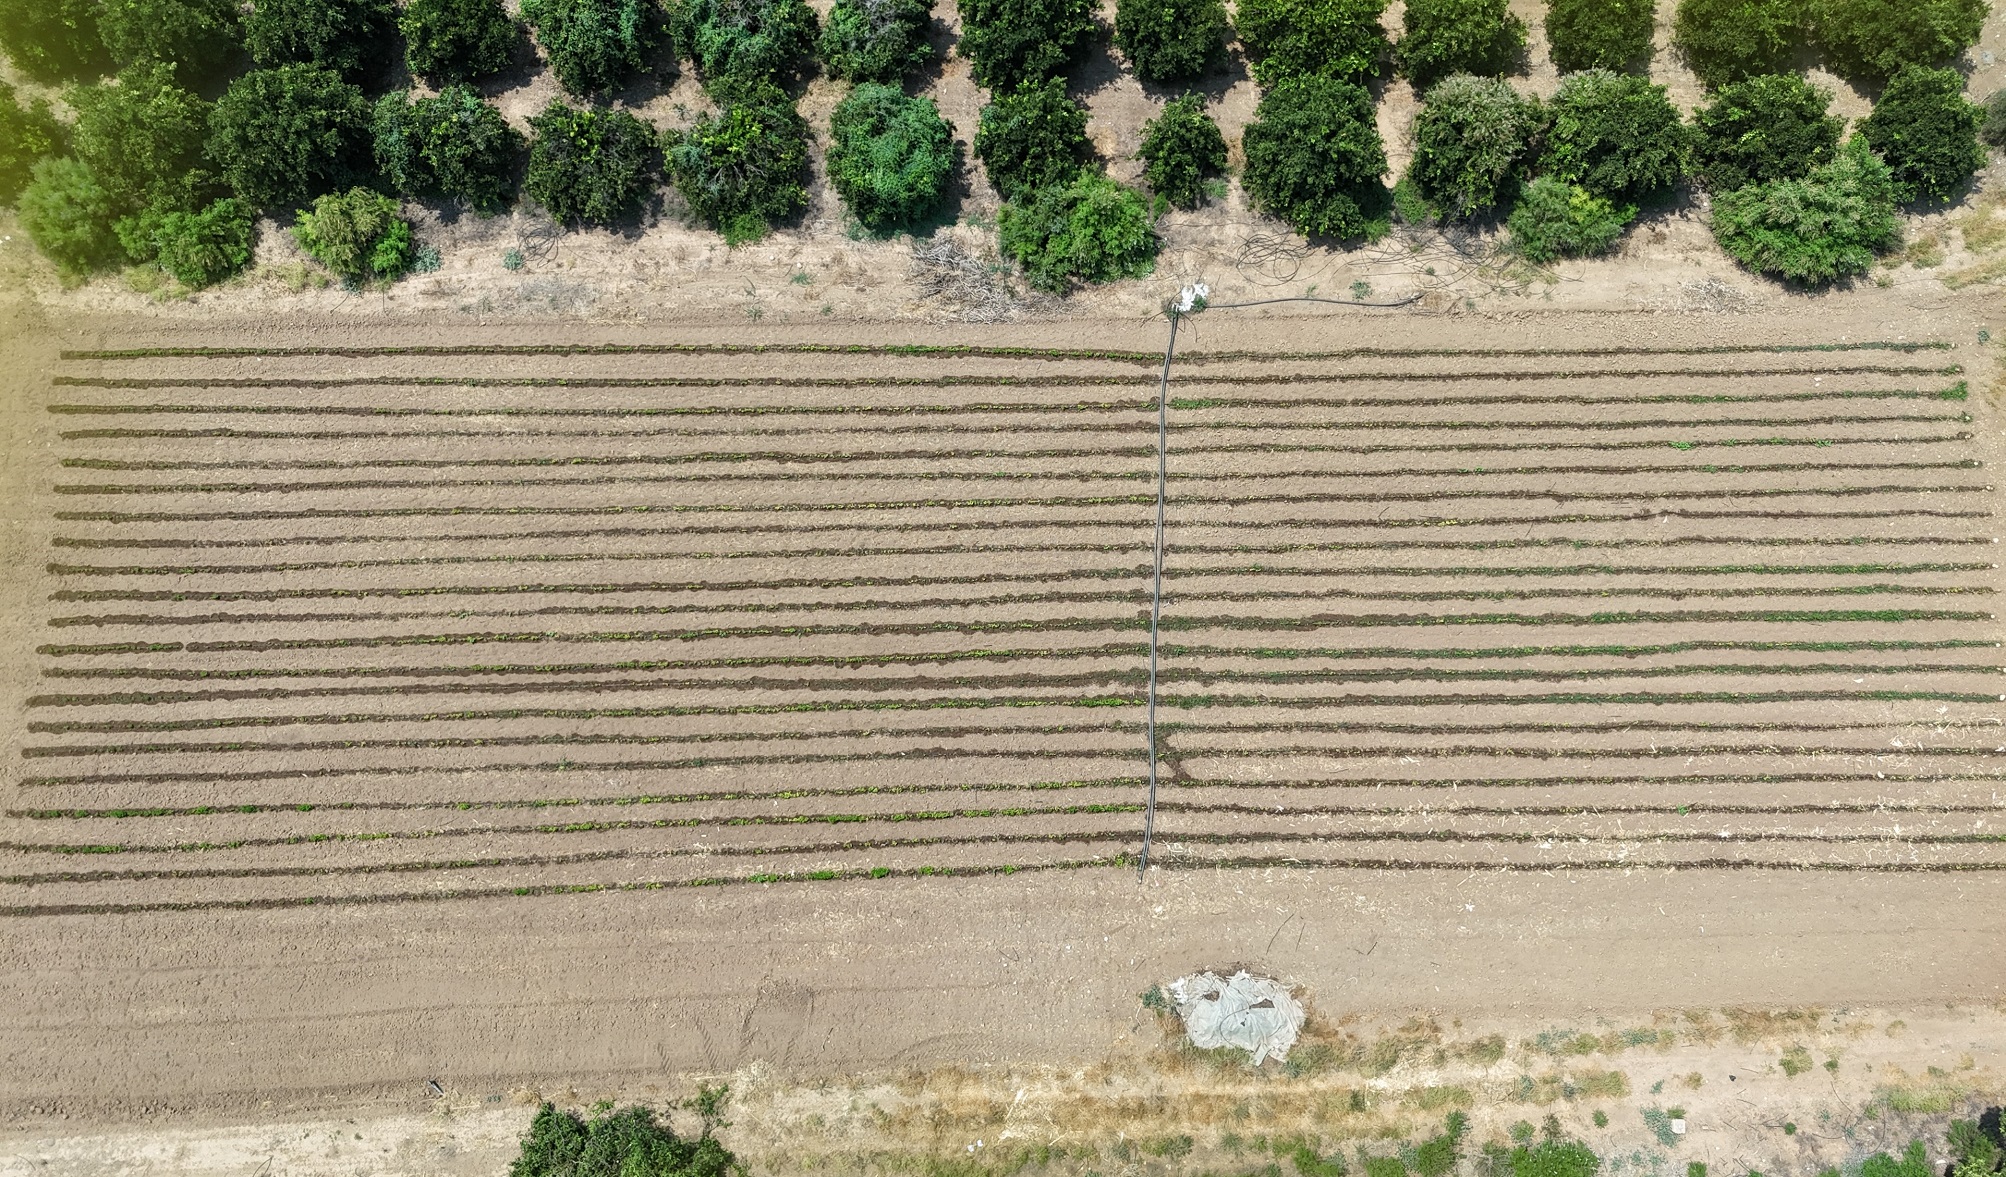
x,y
1554,1158
357,234
890,156
1816,229
1555,219
140,137
741,169
1326,38
1876,39
1314,158
1927,133
1182,148
453,145
876,40
1090,230
1725,41
1032,138
626,1143
748,41
591,166
202,37
1446,37
1470,141
347,36
1767,128
455,40
1914,1162
1171,40
27,133
1994,129
281,136
1014,42
596,45
68,215
203,248
1615,135
1599,34
53,41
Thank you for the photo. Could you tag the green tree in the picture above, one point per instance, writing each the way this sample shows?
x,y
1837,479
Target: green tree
x,y
596,45
27,134
358,234
1927,133
1599,34
890,157
748,41
877,40
1615,135
1032,138
741,170
453,145
282,136
203,248
1171,40
1014,42
628,1143
201,37
1325,38
350,37
1445,37
53,41
458,40
1181,149
1772,127
1315,159
141,136
1872,40
1725,41
1471,140
1091,230
69,215
1815,229
591,166
1993,130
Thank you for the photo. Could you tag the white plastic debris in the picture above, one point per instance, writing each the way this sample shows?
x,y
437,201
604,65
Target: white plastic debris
x,y
1193,298
1255,1014
1678,1127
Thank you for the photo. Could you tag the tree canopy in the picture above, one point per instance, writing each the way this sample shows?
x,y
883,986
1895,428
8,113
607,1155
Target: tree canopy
x,y
1090,230
1326,38
1181,149
1616,135
1171,40
1315,159
350,37
596,45
54,41
1726,41
452,145
1031,138
891,157
591,166
458,40
876,40
1599,34
200,37
742,169
749,41
1872,40
1445,37
1816,229
1773,127
1471,139
1927,133
1014,42
282,136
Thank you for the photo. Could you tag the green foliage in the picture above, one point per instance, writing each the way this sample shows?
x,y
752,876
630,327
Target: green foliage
x,y
357,234
1617,136
1033,138
1554,1158
1014,42
53,41
1927,132
453,145
141,136
1978,1153
1091,230
1471,139
1326,38
876,40
1436,1156
68,215
1181,148
1772,127
280,136
1914,1162
1727,41
1171,40
1314,159
748,41
347,36
1826,226
1445,37
1994,129
203,248
1599,34
741,170
626,1143
591,166
1308,1164
596,45
890,156
457,40
1875,39
1555,219
27,133
201,37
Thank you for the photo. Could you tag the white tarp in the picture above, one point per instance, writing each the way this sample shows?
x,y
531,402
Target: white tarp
x,y
1255,1014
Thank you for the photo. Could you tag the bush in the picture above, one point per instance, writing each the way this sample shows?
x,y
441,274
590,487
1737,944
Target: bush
x,y
596,45
1033,138
1994,129
741,170
1325,38
1772,127
140,137
27,133
1554,1158
1927,133
1182,148
453,145
455,40
1171,40
1875,39
876,40
1615,135
69,215
281,136
591,166
748,41
1014,42
1446,37
1818,229
1314,159
1091,230
1599,34
1470,142
52,41
1555,219
203,248
890,156
347,36
626,1143
202,37
1725,41
357,234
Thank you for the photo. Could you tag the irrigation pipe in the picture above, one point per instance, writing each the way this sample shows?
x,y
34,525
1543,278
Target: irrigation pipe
x,y
1191,301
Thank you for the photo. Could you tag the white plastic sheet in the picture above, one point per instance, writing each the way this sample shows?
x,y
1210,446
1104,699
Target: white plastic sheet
x,y
1253,1013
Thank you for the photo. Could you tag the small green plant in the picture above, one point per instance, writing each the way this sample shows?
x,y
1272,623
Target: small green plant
x,y
1872,40
1927,132
1171,40
358,234
1155,1000
1315,159
1789,1129
1599,34
1181,149
1695,1169
458,40
1361,290
1470,143
1554,219
891,156
513,260
1308,1164
281,136
596,45
1522,1131
1725,41
1795,1061
748,42
630,1142
203,248
1013,43
876,40
1660,1123
1032,138
1914,1162
1773,127
347,36
1615,135
742,169
1601,1118
1325,38
1090,230
1554,1158
1437,1155
1445,37
592,166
